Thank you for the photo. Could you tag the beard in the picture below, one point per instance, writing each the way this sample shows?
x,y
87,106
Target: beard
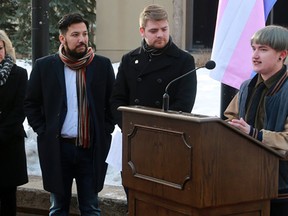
x,y
74,54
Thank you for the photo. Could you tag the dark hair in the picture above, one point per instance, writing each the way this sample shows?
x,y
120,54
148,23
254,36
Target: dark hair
x,y
69,19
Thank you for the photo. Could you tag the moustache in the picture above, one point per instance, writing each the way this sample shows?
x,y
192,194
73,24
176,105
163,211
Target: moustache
x,y
82,44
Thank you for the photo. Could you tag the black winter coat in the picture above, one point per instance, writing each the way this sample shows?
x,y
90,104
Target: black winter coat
x,y
142,80
13,166
46,108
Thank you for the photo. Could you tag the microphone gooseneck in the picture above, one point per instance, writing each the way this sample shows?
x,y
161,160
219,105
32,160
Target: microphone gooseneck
x,y
165,105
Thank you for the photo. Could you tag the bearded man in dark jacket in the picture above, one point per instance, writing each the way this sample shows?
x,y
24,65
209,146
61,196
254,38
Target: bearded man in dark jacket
x,y
67,105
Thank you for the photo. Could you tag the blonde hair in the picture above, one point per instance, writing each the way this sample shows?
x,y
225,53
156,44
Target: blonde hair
x,y
152,12
9,49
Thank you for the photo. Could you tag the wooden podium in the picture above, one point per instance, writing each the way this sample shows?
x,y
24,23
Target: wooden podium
x,y
177,164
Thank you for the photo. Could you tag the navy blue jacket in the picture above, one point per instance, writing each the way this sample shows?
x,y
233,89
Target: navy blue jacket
x,y
276,114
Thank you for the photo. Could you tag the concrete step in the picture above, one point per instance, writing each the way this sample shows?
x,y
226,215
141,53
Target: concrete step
x,y
32,200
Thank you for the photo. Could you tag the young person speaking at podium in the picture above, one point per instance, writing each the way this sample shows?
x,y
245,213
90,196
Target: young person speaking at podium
x,y
67,105
260,108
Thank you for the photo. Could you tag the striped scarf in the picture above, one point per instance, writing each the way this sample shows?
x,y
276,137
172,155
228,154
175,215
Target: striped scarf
x,y
79,65
5,69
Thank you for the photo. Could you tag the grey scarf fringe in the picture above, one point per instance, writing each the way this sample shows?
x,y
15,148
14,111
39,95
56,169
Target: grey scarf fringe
x,y
5,69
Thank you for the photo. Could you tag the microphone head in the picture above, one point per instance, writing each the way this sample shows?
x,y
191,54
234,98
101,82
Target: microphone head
x,y
210,65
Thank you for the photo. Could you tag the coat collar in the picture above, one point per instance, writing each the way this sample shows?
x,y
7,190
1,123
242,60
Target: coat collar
x,y
280,79
173,51
139,59
58,67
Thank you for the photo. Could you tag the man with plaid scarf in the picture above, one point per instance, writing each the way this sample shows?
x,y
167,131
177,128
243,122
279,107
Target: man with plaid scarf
x,y
67,105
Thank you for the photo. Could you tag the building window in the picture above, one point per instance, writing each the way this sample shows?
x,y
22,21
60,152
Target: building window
x,y
201,18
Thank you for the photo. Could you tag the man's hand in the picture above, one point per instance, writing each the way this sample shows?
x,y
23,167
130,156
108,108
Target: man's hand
x,y
241,125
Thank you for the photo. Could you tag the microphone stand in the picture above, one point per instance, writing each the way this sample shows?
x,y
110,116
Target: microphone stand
x,y
165,105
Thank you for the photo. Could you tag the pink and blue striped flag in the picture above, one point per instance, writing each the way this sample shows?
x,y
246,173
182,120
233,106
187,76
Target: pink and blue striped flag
x,y
237,21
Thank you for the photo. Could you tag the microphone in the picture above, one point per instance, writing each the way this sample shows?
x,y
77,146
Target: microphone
x,y
165,106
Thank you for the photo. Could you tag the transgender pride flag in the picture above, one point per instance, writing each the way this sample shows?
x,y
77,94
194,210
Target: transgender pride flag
x,y
237,21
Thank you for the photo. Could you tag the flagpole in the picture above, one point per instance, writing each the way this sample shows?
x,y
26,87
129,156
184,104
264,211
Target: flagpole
x,y
227,94
40,29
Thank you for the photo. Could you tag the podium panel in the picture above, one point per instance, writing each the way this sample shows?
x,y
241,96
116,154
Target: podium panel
x,y
184,164
142,204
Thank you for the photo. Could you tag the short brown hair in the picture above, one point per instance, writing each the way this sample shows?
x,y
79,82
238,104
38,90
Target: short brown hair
x,y
152,12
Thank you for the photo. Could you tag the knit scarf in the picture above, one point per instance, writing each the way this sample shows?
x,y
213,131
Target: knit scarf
x,y
79,65
5,69
154,51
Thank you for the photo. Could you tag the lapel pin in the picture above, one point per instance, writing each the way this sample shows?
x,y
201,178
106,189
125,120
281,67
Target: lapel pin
x,y
136,61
